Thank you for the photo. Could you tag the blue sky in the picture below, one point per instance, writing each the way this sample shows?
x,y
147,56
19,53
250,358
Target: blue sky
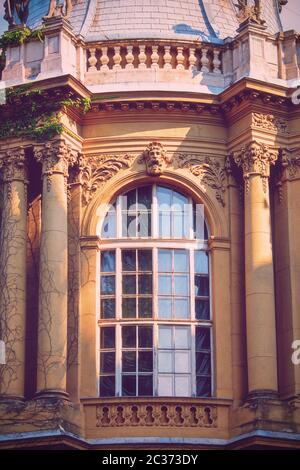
x,y
290,16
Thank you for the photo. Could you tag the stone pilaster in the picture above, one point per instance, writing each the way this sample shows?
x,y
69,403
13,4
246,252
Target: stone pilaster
x,y
13,241
255,160
55,157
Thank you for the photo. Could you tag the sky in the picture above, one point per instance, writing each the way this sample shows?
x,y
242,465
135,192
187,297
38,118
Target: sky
x,y
290,16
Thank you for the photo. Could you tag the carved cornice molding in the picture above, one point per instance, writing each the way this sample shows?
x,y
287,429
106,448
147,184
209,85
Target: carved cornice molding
x,y
55,157
256,158
270,122
210,171
13,167
148,414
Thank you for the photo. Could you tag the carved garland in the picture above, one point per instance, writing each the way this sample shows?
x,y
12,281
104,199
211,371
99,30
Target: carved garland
x,y
269,122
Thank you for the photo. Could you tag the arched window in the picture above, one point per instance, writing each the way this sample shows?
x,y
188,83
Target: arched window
x,y
154,311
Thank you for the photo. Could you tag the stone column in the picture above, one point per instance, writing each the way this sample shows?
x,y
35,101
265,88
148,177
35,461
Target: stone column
x,y
13,240
55,158
255,160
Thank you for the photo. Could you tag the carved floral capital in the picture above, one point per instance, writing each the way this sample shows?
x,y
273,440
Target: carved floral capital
x,y
13,166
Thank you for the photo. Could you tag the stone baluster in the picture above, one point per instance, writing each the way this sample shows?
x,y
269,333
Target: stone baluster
x,y
104,60
142,58
13,241
204,60
129,58
117,58
92,60
167,58
154,57
192,59
216,62
180,59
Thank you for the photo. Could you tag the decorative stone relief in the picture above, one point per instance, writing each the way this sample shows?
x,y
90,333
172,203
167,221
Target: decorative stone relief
x,y
157,414
288,169
249,12
209,170
59,9
155,158
256,158
270,122
12,166
94,170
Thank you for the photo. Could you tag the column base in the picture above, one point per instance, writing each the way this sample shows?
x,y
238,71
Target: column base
x,y
262,394
5,398
52,393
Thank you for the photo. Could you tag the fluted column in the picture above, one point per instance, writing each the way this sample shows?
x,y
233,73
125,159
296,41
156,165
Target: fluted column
x,y
255,160
13,271
55,158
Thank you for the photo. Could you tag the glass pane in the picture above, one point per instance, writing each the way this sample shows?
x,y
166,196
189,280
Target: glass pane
x,y
202,338
182,362
128,361
107,337
107,386
164,308
201,285
107,285
181,308
109,226
203,386
178,225
181,261
165,361
165,285
129,307
179,201
165,224
128,200
108,308
145,197
145,361
164,196
182,337
182,386
145,385
128,260
145,283
201,262
128,385
129,284
107,362
181,285
200,229
203,365
145,337
131,223
165,337
165,386
108,261
145,307
144,224
165,261
145,260
128,336
202,309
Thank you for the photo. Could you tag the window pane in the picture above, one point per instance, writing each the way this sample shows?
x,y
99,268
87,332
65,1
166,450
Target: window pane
x,y
107,362
128,385
164,196
107,285
145,307
182,386
145,260
203,386
108,308
182,337
128,361
145,197
178,225
109,226
182,361
165,285
145,385
128,260
129,284
130,225
108,262
181,285
181,261
165,224
165,361
165,261
201,285
164,308
179,200
129,307
144,224
107,386
165,386
145,361
202,338
203,365
181,308
201,262
165,337
145,337
145,284
107,337
128,200
129,336
202,309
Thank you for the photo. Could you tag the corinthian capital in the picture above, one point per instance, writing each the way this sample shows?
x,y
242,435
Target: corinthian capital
x,y
13,164
55,157
256,158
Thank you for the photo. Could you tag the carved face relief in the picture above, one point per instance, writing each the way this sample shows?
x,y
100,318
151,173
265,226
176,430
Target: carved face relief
x,y
156,159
